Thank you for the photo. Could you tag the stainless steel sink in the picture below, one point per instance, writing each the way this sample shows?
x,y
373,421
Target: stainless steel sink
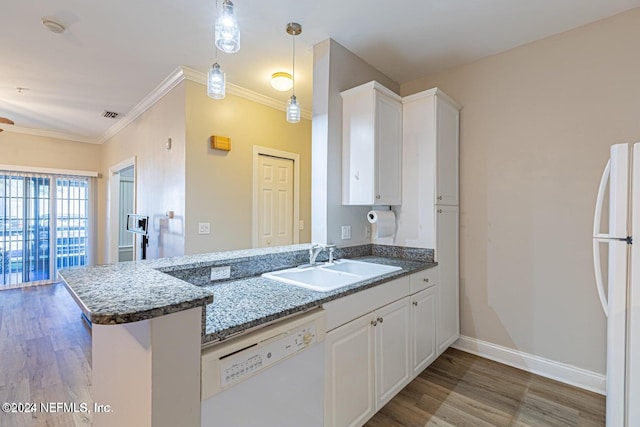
x,y
328,277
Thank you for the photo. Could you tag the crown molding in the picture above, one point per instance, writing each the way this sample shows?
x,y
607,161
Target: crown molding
x,y
199,77
51,134
176,76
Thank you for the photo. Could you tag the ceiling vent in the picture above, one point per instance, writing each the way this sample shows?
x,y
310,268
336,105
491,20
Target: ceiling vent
x,y
110,114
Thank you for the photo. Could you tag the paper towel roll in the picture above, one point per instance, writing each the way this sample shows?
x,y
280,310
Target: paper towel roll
x,y
384,222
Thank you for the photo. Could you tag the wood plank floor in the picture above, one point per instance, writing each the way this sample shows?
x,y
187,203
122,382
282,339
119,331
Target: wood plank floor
x,y
45,355
460,389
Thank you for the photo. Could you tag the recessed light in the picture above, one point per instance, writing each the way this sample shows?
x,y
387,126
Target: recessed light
x,y
53,26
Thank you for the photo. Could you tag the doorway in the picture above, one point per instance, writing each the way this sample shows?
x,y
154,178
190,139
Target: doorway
x,y
44,226
125,206
122,201
275,197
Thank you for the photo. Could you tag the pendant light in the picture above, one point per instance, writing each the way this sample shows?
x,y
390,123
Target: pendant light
x,y
293,108
227,29
216,82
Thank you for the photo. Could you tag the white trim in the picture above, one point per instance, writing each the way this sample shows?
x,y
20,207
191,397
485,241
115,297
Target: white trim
x,y
548,368
113,194
51,134
35,169
175,78
257,151
199,77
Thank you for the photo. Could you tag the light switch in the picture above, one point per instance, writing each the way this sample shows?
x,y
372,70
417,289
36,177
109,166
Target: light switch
x,y
204,228
346,232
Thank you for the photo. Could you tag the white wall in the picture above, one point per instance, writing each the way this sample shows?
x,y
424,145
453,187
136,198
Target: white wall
x,y
335,69
160,173
536,125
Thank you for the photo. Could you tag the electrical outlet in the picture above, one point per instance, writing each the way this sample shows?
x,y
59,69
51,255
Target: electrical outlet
x,y
301,224
346,232
204,228
367,231
218,273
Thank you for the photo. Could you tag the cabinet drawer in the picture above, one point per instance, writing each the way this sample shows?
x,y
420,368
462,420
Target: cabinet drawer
x,y
344,310
424,279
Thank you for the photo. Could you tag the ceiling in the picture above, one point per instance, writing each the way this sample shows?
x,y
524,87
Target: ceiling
x,y
115,53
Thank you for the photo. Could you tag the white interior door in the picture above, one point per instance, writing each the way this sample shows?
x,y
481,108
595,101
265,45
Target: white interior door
x,y
275,201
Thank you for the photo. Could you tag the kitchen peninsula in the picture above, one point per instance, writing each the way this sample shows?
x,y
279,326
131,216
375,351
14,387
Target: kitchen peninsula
x,y
151,319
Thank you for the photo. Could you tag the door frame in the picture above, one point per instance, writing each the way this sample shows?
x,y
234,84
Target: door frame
x,y
295,157
113,210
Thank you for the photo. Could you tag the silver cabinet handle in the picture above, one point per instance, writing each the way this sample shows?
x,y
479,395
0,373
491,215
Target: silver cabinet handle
x,y
439,210
415,303
374,322
378,196
439,197
425,280
380,319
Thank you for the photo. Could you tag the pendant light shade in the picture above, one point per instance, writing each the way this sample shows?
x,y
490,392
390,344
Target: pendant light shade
x,y
227,29
293,110
216,82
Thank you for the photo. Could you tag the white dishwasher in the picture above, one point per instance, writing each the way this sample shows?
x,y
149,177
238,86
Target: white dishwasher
x,y
273,377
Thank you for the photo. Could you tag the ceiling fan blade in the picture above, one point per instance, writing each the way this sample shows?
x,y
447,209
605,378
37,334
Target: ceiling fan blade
x,y
6,121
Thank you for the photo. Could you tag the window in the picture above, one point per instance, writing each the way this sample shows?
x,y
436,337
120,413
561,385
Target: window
x,y
44,225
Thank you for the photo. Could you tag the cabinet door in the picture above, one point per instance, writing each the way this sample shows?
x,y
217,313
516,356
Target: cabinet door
x,y
446,254
447,117
388,146
349,370
423,329
392,350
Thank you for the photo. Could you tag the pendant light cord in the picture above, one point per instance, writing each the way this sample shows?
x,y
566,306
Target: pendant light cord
x,y
293,66
215,47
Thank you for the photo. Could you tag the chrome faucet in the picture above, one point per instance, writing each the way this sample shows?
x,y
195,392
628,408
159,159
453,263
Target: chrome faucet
x,y
314,251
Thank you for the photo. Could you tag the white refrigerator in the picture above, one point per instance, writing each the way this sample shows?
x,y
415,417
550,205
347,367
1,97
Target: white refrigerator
x,y
620,293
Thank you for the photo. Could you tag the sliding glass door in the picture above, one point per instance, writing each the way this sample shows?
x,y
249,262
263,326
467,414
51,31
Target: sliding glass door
x,y
43,225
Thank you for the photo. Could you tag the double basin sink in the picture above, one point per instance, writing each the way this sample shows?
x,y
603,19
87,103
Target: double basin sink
x,y
331,276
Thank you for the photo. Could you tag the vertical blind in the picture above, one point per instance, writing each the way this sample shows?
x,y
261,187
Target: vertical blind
x,y
44,225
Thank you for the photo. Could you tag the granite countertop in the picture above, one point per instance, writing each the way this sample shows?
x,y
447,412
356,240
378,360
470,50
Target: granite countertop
x,y
130,292
244,304
140,290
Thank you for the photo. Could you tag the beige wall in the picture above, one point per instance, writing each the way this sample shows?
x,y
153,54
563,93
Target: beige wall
x,y
536,125
219,183
335,69
160,173
39,151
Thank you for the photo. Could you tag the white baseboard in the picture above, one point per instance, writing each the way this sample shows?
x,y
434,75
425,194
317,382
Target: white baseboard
x,y
535,364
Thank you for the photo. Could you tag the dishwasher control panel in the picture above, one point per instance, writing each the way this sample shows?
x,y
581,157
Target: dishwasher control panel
x,y
255,358
228,363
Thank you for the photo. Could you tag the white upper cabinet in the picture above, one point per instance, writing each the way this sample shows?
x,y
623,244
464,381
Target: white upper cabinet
x,y
447,125
430,165
431,127
371,146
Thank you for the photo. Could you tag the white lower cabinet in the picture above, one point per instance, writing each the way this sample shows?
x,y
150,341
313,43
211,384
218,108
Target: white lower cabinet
x,y
423,326
448,277
392,329
367,364
370,359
